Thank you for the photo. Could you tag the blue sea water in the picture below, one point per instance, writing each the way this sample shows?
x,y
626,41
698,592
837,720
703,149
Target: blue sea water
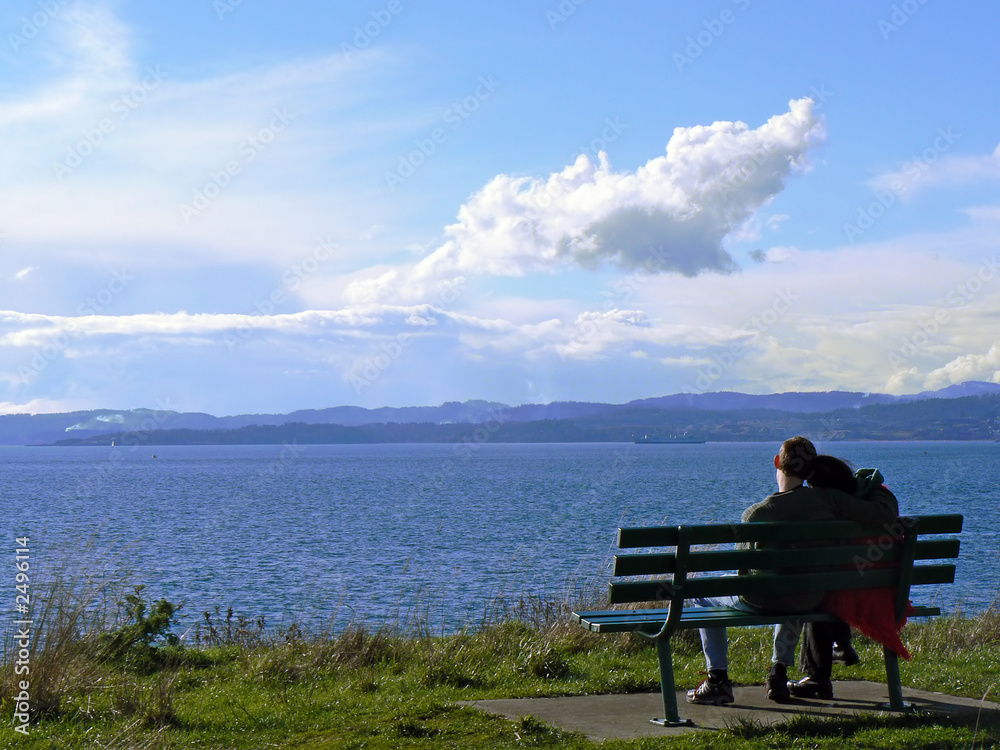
x,y
326,534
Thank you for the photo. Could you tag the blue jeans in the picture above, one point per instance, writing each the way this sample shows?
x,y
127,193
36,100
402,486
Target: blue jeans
x,y
715,642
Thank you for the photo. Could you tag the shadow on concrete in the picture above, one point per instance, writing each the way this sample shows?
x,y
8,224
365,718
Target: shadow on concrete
x,y
602,717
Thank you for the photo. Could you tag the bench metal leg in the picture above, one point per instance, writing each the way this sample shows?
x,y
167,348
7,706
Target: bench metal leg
x,y
666,659
893,682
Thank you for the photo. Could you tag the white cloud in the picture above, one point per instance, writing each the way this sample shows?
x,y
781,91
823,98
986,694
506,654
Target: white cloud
x,y
967,367
670,215
983,214
840,319
24,329
774,222
797,318
45,406
776,254
936,167
907,380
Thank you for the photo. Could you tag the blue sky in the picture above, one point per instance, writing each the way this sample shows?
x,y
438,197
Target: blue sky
x,y
253,206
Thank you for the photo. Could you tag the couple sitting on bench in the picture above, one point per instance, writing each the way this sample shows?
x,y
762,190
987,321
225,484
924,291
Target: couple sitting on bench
x,y
833,492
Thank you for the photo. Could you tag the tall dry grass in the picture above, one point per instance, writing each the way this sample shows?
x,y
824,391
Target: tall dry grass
x,y
74,619
68,612
956,632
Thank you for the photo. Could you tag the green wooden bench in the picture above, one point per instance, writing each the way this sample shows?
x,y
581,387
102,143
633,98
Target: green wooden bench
x,y
840,555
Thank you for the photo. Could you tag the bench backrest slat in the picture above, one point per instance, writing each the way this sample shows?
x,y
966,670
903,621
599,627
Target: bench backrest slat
x,y
630,592
782,558
667,536
839,554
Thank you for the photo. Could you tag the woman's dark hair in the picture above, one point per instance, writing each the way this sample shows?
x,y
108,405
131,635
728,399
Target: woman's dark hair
x,y
830,471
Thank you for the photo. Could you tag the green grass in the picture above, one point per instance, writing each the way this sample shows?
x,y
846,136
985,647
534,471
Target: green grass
x,y
244,687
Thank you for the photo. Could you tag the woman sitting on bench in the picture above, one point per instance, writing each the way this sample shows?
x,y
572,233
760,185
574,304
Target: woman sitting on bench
x,y
794,501
817,653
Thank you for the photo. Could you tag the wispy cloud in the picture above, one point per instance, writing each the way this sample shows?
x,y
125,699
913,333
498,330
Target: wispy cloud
x,y
109,151
936,167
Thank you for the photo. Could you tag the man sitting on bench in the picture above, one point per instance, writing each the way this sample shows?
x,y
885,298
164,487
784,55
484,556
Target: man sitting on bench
x,y
793,501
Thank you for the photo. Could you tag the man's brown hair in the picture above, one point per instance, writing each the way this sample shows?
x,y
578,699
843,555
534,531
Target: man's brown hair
x,y
797,457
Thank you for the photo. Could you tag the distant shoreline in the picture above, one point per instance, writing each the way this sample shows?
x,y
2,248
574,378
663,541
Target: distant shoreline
x,y
717,417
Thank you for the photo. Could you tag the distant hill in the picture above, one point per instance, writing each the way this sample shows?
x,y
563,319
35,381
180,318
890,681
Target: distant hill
x,y
951,413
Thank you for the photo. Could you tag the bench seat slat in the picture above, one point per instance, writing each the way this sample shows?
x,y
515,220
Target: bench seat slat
x,y
651,620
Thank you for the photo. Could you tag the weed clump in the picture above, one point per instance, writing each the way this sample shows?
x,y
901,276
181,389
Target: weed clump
x,y
142,642
244,632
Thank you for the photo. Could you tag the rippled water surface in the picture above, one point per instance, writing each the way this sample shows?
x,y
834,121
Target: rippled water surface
x,y
332,532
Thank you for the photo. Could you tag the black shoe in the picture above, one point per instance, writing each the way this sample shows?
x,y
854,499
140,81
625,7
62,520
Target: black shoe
x,y
776,684
811,687
846,655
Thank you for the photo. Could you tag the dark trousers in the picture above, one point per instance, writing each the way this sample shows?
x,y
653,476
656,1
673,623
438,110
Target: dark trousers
x,y
816,653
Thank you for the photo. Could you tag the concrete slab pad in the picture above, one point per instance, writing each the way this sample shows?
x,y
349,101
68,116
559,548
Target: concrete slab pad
x,y
627,716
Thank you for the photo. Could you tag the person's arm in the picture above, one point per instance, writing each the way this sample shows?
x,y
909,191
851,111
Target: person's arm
x,y
873,511
882,496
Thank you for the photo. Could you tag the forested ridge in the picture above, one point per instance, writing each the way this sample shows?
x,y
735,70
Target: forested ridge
x,y
966,418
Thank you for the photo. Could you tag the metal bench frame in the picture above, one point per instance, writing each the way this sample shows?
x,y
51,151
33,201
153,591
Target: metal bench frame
x,y
771,558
